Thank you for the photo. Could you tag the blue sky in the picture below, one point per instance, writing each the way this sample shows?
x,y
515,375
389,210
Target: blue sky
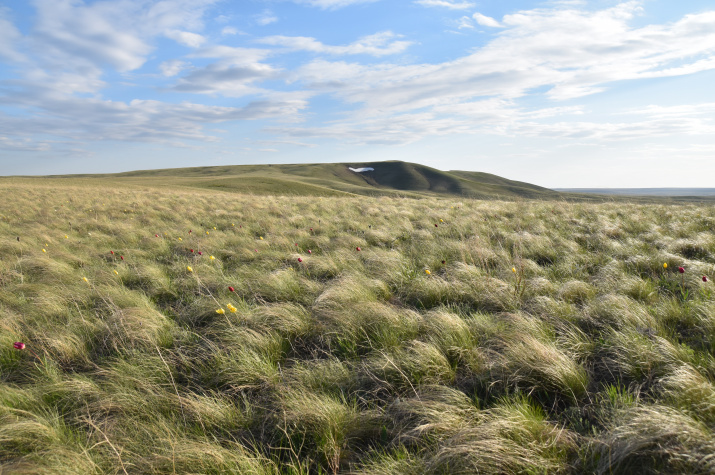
x,y
569,93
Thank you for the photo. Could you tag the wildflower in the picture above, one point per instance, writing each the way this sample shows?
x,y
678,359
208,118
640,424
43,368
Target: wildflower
x,y
231,308
212,257
296,244
156,235
681,270
436,225
121,257
188,268
233,224
261,238
201,253
256,250
444,262
220,311
166,234
705,278
189,231
513,269
66,237
115,271
300,259
231,289
18,345
191,250
111,252
207,232
665,265
311,230
358,249
180,239
85,279
428,272
310,252
214,227
44,250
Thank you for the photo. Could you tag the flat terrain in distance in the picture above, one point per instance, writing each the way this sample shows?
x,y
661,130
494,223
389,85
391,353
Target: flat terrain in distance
x,y
173,328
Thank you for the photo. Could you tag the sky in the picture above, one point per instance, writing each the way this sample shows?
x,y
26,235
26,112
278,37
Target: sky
x,y
570,93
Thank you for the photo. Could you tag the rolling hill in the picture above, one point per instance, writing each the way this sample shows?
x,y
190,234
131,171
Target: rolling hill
x,y
392,178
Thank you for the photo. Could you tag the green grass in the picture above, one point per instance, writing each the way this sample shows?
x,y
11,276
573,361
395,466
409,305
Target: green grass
x,y
547,336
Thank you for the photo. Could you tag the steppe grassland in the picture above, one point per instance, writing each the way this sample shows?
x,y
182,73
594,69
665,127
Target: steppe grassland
x,y
550,340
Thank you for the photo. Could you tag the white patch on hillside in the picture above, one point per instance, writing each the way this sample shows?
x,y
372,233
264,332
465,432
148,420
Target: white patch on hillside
x,y
360,170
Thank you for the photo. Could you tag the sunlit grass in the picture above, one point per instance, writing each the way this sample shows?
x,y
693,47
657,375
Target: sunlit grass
x,y
194,332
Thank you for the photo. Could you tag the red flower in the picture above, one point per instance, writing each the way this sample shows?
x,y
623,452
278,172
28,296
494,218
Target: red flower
x,y
111,252
296,244
191,250
444,262
231,289
256,250
201,253
156,235
310,252
18,345
436,225
189,231
121,257
705,278
358,249
681,270
300,259
311,229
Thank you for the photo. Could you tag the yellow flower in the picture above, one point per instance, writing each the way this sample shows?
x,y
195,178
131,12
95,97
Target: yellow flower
x,y
214,227
513,269
212,257
188,268
665,265
207,232
261,237
44,250
66,237
180,239
441,220
85,279
232,224
231,308
115,271
165,234
428,272
220,311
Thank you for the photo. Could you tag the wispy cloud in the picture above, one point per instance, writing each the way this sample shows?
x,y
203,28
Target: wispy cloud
x,y
486,20
379,44
266,18
452,5
332,4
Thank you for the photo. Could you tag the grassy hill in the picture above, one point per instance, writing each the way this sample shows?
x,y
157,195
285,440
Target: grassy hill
x,y
392,178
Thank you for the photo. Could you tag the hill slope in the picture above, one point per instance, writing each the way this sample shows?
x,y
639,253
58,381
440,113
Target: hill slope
x,y
388,178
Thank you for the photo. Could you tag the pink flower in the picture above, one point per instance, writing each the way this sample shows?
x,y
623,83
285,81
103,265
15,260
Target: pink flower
x,y
18,345
300,259
156,235
358,249
681,270
310,252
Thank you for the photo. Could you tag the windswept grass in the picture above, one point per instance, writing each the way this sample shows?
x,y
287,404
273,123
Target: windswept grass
x,y
232,333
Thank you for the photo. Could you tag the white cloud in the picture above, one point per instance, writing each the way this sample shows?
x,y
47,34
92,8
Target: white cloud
x,y
266,18
332,4
229,30
186,38
9,37
452,5
173,67
379,44
486,21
